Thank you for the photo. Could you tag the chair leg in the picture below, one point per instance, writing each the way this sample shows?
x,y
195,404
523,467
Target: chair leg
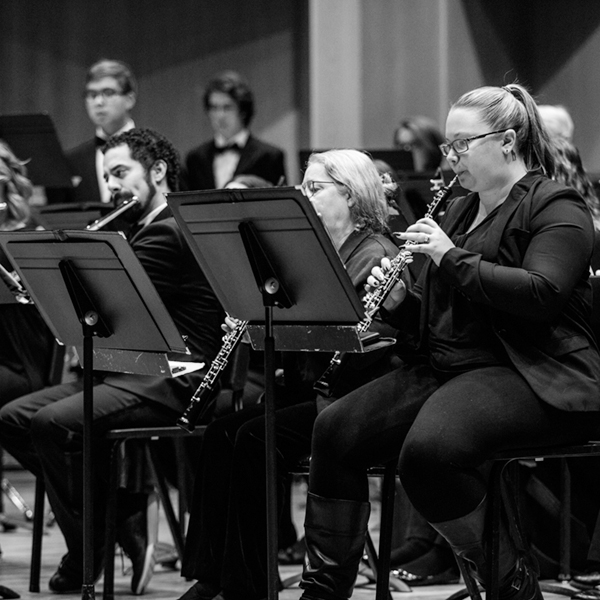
x,y
182,484
38,532
110,535
564,573
163,492
388,492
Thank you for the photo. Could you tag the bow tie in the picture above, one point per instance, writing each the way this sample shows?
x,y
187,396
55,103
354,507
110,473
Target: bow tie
x,y
100,142
235,147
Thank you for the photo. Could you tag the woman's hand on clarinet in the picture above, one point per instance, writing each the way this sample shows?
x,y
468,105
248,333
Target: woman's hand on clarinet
x,y
427,237
396,295
231,324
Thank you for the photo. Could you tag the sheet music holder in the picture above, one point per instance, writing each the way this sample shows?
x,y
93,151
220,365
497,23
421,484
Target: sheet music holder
x,y
33,137
326,308
270,261
72,277
400,160
71,215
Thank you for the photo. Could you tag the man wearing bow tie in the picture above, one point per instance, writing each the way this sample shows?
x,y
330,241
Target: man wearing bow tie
x,y
109,96
229,104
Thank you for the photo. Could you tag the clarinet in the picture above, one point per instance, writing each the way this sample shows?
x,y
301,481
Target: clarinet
x,y
202,397
373,300
13,283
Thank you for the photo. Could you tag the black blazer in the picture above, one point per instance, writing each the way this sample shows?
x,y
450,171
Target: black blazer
x,y
189,299
82,160
539,307
257,158
82,163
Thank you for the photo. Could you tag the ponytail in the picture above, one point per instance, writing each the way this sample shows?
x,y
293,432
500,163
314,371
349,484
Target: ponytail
x,y
512,107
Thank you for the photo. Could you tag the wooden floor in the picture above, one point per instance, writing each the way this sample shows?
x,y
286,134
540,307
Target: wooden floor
x,y
16,549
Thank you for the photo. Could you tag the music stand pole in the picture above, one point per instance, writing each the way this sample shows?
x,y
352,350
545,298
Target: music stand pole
x,y
87,588
92,324
274,294
270,449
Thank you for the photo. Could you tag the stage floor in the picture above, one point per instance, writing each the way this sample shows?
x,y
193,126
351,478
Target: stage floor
x,y
166,583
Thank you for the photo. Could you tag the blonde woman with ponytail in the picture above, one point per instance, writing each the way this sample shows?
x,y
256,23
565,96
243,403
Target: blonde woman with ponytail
x,y
505,355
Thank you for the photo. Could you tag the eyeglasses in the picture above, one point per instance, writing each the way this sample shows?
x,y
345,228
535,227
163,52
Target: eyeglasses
x,y
106,93
310,188
462,144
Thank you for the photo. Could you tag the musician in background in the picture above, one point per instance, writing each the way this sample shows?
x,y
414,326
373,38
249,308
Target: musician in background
x,y
229,105
422,137
26,348
109,95
557,120
44,430
506,357
226,544
570,171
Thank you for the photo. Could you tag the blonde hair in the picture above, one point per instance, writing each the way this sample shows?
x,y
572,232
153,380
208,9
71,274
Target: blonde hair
x,y
357,173
17,189
512,107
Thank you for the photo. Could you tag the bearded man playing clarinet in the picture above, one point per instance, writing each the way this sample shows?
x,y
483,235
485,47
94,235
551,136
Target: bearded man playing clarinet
x,y
44,430
226,544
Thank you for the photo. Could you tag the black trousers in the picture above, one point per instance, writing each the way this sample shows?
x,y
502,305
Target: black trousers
x,y
226,544
443,433
44,432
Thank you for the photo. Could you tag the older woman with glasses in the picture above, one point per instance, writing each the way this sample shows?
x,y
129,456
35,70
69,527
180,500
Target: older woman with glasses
x,y
505,355
226,547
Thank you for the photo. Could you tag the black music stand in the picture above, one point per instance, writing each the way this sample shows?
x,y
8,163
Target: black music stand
x,y
72,277
72,215
33,137
270,261
399,159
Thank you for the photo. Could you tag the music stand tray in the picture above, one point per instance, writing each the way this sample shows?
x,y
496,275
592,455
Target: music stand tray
x,y
110,268
399,159
326,307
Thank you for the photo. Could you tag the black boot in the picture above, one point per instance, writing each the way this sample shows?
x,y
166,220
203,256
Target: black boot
x,y
335,539
518,581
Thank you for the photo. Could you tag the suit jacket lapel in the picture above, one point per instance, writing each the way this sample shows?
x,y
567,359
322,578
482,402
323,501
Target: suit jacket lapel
x,y
246,156
518,193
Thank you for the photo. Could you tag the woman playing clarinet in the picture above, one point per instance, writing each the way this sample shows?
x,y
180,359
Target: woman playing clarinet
x,y
505,356
226,547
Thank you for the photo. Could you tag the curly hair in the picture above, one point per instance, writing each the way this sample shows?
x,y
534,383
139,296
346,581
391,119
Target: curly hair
x,y
17,188
147,147
357,173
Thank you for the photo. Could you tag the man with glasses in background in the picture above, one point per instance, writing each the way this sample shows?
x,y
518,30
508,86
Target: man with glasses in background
x,y
109,96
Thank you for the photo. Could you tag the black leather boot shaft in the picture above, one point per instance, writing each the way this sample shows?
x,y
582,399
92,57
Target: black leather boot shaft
x,y
335,540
